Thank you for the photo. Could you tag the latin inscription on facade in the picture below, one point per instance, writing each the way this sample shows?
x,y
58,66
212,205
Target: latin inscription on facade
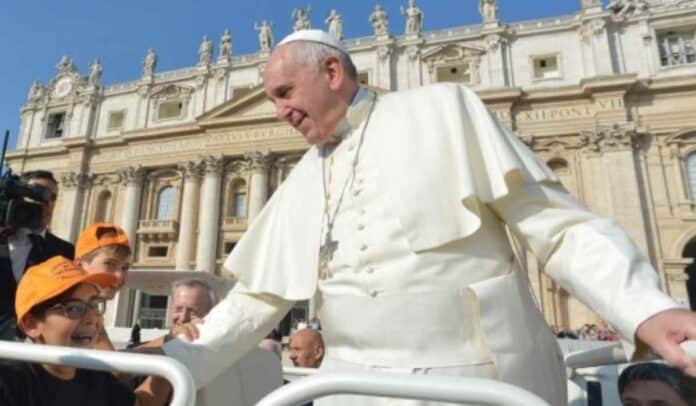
x,y
206,142
570,112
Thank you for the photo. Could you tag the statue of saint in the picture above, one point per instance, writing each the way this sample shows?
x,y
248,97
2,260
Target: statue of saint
x,y
265,35
149,63
489,11
36,92
414,18
225,46
627,8
95,73
205,51
65,64
301,17
380,21
334,23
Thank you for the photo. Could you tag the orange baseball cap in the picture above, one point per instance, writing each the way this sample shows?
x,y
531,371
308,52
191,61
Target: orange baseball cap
x,y
93,237
51,278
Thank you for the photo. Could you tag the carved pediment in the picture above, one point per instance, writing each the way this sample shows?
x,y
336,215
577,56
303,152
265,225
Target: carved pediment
x,y
687,136
452,53
250,104
171,92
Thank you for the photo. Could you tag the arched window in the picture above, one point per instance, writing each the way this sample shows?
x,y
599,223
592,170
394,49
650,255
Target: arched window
x,y
689,251
102,208
165,203
691,174
238,200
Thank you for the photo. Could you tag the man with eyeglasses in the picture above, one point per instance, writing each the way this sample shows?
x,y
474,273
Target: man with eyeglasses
x,y
27,248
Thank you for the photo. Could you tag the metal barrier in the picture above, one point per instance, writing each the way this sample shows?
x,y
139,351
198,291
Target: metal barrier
x,y
168,368
432,388
611,354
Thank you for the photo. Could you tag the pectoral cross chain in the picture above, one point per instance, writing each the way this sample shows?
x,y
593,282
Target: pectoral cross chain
x,y
326,253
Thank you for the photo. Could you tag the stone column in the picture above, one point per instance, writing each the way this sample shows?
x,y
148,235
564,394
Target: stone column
x,y
72,185
132,179
258,184
206,248
189,214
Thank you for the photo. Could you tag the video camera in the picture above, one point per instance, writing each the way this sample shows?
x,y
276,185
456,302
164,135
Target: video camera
x,y
15,210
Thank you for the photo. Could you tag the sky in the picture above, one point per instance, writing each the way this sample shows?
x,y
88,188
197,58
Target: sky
x,y
34,34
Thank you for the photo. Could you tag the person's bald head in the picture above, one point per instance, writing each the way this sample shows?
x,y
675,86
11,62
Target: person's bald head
x,y
306,348
312,85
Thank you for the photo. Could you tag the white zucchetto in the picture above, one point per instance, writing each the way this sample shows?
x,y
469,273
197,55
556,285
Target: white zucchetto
x,y
317,36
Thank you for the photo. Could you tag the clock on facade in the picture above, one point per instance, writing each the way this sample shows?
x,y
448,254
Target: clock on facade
x,y
62,87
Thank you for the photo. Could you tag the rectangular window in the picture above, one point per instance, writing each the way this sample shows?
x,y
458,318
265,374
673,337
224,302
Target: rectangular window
x,y
116,120
171,109
458,73
677,48
56,125
153,311
157,252
364,78
546,67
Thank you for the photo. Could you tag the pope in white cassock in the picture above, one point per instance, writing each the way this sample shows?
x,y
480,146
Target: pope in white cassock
x,y
395,219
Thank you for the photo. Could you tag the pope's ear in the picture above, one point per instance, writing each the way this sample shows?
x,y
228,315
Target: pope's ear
x,y
335,71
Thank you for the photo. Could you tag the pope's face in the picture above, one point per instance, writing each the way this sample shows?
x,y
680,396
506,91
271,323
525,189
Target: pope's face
x,y
304,96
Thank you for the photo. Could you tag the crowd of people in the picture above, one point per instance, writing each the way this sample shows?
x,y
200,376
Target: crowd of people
x,y
594,332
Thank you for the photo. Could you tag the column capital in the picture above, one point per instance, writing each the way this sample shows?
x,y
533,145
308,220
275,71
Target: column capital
x,y
259,160
71,180
132,175
213,164
614,138
191,169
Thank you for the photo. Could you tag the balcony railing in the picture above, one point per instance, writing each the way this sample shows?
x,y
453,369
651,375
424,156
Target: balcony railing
x,y
234,224
158,230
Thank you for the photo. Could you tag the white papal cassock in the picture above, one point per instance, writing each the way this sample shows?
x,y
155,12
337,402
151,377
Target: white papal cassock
x,y
424,280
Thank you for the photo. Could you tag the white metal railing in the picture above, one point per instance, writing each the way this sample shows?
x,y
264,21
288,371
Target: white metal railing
x,y
292,373
432,388
168,368
611,354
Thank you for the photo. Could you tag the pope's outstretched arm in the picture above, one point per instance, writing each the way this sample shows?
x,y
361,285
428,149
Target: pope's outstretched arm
x,y
232,328
594,259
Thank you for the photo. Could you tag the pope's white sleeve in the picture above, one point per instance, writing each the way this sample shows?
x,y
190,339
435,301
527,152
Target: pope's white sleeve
x,y
232,328
592,257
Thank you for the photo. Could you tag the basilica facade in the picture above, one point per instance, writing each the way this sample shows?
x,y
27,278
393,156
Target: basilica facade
x,y
185,159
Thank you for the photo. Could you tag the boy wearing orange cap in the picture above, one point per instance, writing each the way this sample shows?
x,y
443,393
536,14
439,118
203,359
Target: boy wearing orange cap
x,y
104,247
58,303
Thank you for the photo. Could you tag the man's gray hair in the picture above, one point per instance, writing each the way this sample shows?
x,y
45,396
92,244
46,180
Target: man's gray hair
x,y
314,53
196,283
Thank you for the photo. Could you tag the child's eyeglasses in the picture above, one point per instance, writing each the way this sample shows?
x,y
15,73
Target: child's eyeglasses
x,y
76,309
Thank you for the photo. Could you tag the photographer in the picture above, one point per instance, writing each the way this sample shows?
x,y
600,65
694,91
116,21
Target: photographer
x,y
22,247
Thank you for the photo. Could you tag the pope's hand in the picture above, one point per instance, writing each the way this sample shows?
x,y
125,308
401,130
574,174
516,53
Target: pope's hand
x,y
664,331
188,330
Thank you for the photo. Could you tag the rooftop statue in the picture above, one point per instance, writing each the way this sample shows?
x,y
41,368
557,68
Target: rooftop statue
x,y
414,18
225,46
334,23
36,92
489,11
149,63
265,35
380,21
301,17
95,73
205,51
